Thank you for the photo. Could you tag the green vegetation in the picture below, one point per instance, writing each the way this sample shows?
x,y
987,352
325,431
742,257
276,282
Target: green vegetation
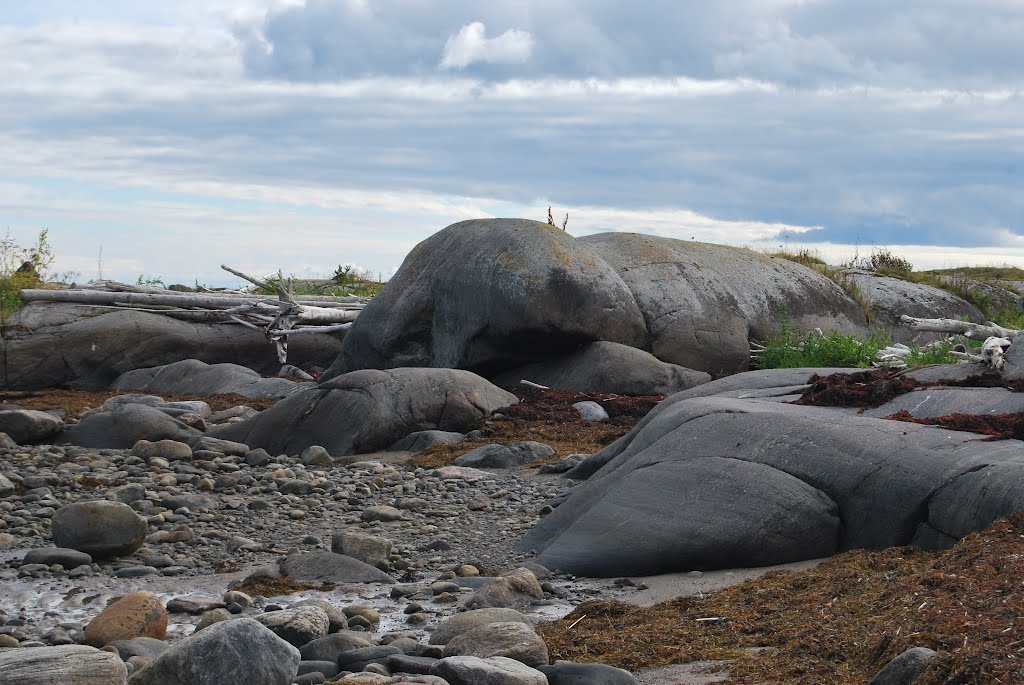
x,y
789,350
344,281
22,268
151,281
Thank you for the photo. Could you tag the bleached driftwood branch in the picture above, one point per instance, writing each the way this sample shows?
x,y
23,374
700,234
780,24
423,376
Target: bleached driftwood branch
x,y
967,329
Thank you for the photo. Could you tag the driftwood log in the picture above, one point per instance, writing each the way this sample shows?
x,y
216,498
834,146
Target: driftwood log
x,y
278,318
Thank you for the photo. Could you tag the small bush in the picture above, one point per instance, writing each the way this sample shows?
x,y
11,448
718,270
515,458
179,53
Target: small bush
x,y
22,268
882,261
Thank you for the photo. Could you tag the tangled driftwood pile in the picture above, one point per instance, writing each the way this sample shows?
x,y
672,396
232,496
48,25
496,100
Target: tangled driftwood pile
x,y
278,318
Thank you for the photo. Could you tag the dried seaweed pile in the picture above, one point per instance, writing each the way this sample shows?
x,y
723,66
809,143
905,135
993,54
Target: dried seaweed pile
x,y
999,426
549,417
863,389
838,623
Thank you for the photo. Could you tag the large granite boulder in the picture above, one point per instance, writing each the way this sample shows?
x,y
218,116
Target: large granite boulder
x,y
607,367
718,481
703,303
27,426
492,295
197,378
890,298
121,426
100,528
369,410
48,345
236,651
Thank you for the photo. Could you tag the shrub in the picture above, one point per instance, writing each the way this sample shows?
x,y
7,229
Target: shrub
x,y
22,268
787,350
882,261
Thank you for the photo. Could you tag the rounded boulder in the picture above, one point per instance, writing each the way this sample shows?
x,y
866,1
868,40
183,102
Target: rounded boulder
x,y
101,528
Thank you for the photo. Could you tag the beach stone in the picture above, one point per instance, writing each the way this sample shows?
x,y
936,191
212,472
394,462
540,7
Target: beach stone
x,y
138,614
421,440
496,670
513,639
6,486
61,665
171,450
504,456
606,367
208,618
122,426
405,663
905,668
6,443
591,411
366,411
468,620
328,648
329,669
369,549
258,457
237,651
27,426
517,589
193,605
100,528
211,443
335,615
323,566
358,659
68,558
315,455
297,625
148,647
381,513
565,673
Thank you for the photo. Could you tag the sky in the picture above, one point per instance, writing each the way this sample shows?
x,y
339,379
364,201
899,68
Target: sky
x,y
165,139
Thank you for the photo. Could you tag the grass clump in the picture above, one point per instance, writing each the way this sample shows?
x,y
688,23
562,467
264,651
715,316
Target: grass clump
x,y
22,268
345,281
787,349
805,256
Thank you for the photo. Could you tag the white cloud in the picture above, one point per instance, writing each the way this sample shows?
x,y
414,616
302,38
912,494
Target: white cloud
x,y
471,45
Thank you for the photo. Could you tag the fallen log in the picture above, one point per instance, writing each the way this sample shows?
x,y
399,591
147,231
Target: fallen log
x,y
184,300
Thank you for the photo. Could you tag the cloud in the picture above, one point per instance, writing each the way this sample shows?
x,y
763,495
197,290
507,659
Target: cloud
x,y
471,45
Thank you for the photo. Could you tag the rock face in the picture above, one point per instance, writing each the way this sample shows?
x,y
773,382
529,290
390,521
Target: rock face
x,y
100,528
889,298
492,295
50,345
369,410
26,426
702,303
610,368
704,482
138,614
194,377
64,665
236,651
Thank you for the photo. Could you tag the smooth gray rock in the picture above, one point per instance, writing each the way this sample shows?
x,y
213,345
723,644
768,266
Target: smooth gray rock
x,y
943,401
703,303
504,456
6,486
491,292
328,648
63,665
335,615
297,625
148,647
125,425
591,411
719,482
50,345
513,639
496,670
171,450
421,440
565,673
905,669
468,620
329,669
195,377
27,426
518,589
325,566
239,651
100,528
315,455
6,443
68,558
609,368
369,549
365,411
890,298
358,659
